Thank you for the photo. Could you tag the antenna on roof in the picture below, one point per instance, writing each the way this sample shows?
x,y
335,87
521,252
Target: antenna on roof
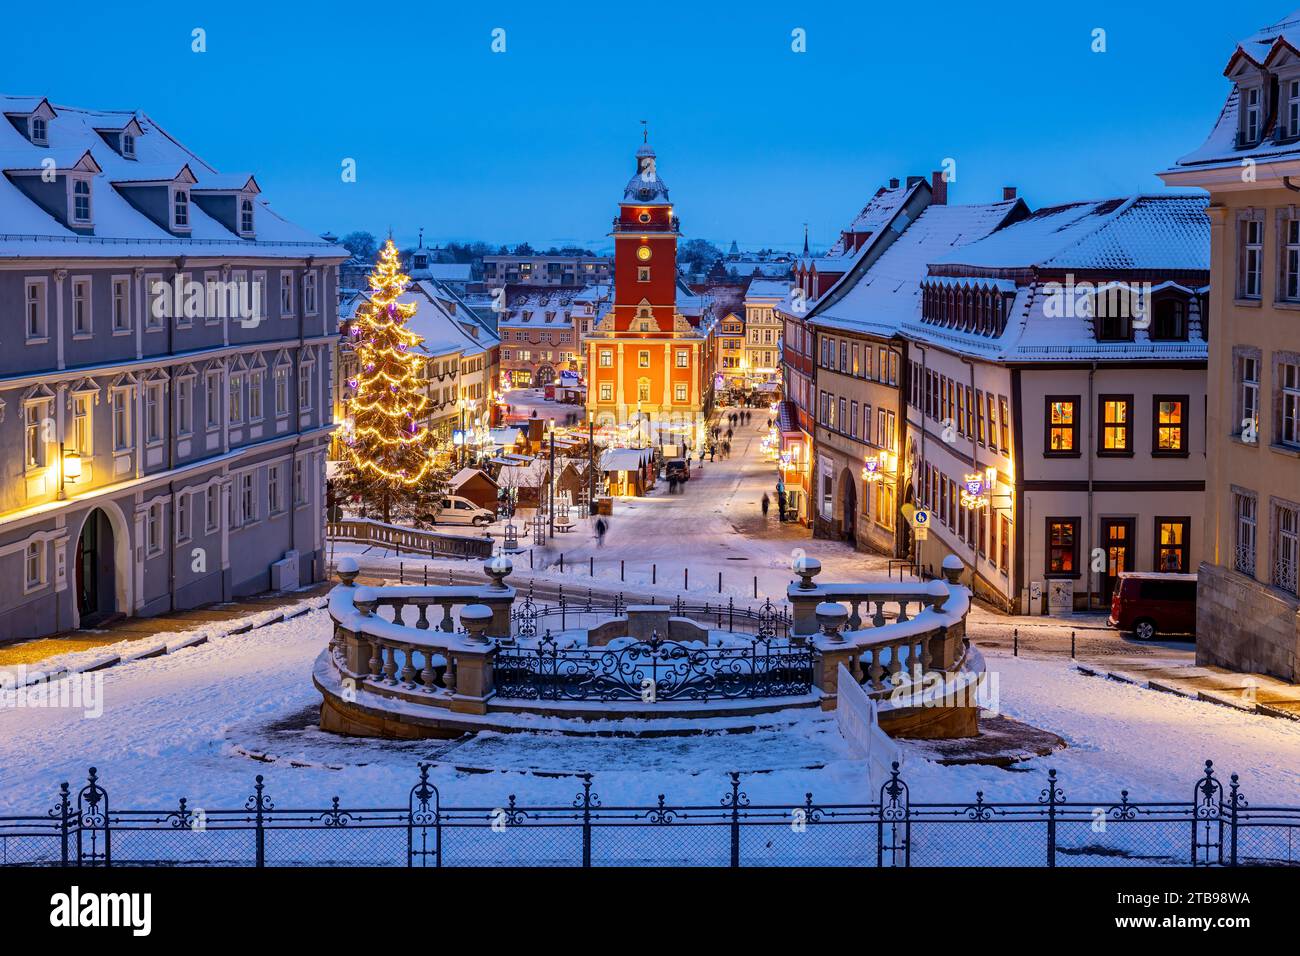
x,y
645,132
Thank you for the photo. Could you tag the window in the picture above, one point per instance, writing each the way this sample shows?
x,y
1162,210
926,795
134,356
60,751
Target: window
x,y
643,359
643,390
1062,547
181,210
182,520
304,387
309,292
121,419
1170,319
979,415
1245,507
300,481
212,395
211,508
35,565
1286,546
1004,424
128,145
37,319
1004,543
81,201
1172,538
1250,124
275,504
40,131
236,398
246,216
1116,425
884,505
81,322
82,432
36,432
1293,109
255,395
153,399
121,304
606,358
679,393
247,498
1062,426
1251,258
683,358
1170,425
606,391
1247,373
286,293
184,404
1288,376
642,273
282,389
153,529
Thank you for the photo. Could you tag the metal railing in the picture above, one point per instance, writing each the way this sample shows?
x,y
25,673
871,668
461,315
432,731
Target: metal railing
x,y
1213,826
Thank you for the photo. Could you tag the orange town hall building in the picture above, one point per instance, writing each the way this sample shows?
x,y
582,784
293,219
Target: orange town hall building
x,y
649,365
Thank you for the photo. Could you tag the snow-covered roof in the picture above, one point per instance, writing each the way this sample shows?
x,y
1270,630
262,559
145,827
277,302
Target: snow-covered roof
x,y
465,474
624,459
888,293
767,289
119,229
440,331
875,215
1160,232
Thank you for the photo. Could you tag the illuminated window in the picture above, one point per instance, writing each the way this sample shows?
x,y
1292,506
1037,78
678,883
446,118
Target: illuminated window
x,y
1116,425
1172,537
679,393
1170,425
1062,546
1062,425
643,359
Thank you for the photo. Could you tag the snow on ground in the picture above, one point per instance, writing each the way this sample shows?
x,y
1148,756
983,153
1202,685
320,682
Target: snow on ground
x,y
183,724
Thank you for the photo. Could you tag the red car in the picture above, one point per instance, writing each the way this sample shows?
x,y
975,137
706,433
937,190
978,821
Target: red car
x,y
1148,604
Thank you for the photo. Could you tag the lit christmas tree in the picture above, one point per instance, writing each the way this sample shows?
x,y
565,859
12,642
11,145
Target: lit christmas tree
x,y
391,460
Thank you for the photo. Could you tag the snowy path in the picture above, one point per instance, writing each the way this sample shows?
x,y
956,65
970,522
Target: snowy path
x,y
171,727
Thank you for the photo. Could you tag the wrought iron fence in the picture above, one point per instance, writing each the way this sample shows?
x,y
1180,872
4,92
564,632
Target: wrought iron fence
x,y
1216,826
652,671
529,616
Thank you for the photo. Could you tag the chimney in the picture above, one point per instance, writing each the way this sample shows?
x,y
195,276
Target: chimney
x,y
938,189
1008,192
893,183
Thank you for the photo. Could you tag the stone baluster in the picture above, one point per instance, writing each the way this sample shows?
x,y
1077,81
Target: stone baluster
x,y
447,624
855,619
376,662
426,672
408,667
390,664
902,611
449,675
422,622
878,619
895,663
876,670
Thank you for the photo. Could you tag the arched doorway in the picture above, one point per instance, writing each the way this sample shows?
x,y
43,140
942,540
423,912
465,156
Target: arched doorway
x,y
100,568
544,375
848,508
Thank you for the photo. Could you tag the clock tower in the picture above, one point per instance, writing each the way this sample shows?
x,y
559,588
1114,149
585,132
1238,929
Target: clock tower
x,y
646,362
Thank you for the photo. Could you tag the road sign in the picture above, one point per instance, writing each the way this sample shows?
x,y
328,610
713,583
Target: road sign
x,y
921,519
921,532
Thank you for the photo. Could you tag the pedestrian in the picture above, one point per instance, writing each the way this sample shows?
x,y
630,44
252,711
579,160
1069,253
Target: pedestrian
x,y
713,449
729,433
672,486
727,447
600,532
766,504
780,504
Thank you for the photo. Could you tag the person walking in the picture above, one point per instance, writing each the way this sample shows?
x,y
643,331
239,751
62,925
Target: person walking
x,y
601,528
766,504
729,433
780,504
713,450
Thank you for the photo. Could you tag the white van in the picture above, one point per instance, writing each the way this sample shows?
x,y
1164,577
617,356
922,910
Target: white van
x,y
454,509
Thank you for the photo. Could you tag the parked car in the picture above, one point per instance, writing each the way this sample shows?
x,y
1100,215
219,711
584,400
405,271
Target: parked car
x,y
677,468
1149,604
454,509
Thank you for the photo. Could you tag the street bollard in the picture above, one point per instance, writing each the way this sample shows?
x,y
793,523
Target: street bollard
x,y
686,579
1072,645
1015,642
621,570
654,573
401,572
591,566
756,587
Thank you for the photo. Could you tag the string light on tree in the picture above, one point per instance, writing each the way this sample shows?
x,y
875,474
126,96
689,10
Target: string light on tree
x,y
391,455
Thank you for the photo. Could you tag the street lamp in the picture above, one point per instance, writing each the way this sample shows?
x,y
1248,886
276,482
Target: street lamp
x,y
591,463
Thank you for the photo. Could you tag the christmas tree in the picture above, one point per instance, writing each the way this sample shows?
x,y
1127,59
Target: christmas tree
x,y
391,457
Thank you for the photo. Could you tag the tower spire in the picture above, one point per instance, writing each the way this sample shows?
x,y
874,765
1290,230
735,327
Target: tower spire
x,y
645,131
805,240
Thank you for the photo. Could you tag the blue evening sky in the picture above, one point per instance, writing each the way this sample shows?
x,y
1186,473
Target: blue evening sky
x,y
753,139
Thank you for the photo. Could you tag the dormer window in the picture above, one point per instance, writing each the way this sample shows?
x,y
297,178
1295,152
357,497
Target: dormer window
x,y
1252,115
81,201
181,209
40,131
421,260
1292,128
246,216
128,145
1170,320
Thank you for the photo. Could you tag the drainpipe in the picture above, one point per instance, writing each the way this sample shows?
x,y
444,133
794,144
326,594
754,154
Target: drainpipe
x,y
925,391
1092,372
171,450
975,460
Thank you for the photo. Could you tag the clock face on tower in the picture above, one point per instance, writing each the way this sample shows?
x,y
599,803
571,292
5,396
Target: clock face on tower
x,y
643,253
